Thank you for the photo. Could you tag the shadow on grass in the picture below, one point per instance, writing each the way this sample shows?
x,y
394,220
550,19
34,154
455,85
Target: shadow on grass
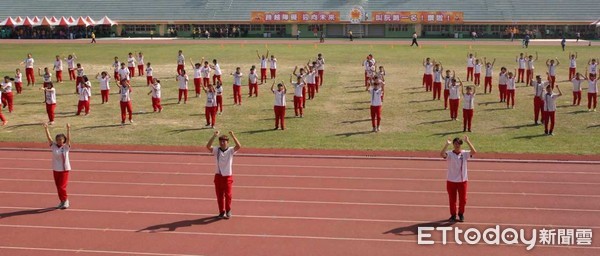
x,y
357,109
66,113
594,126
413,230
431,110
518,126
418,92
577,112
357,91
444,134
495,109
176,131
436,122
26,212
488,103
416,88
99,126
348,134
258,131
167,227
355,121
24,125
530,136
420,101
361,102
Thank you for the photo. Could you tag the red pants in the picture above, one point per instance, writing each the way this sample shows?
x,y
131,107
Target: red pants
x,y
253,89
304,97
375,116
126,108
72,74
104,94
156,104
367,78
50,111
7,100
520,75
592,100
179,68
237,94
205,81
467,119
529,76
477,79
273,73
83,104
140,70
131,71
572,72
311,91
2,118
116,76
223,189
538,104
577,98
197,84
298,106
61,179
216,78
453,188
321,72
549,118
279,116
30,76
487,81
428,81
59,76
446,96
552,81
211,115
19,87
317,80
454,108
510,97
502,90
437,90
184,93
469,73
148,80
263,75
220,103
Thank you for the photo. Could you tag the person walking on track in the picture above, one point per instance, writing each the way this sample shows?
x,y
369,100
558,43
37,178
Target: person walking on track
x,y
224,171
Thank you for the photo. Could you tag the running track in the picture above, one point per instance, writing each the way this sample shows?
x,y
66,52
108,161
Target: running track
x,y
152,204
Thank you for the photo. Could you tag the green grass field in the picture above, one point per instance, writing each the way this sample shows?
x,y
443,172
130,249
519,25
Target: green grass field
x,y
337,119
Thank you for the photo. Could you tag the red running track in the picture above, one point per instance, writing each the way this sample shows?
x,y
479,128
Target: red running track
x,y
149,204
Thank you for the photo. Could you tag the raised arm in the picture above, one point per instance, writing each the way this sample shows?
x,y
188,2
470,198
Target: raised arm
x,y
209,146
68,142
48,137
468,141
238,145
40,71
295,69
493,62
536,56
291,79
559,92
557,62
273,86
443,153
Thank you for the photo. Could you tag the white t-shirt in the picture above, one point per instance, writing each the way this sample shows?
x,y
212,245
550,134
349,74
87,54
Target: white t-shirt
x,y
522,62
573,63
84,94
593,68
140,60
47,78
116,66
183,82
104,83
205,71
224,160
311,77
211,99
538,89
156,91
80,72
593,86
60,158
457,165
51,96
219,90
180,59
321,64
489,71
552,70
273,63
71,63
197,72
437,76
124,93
7,87
279,97
131,62
447,82
428,69
18,78
253,78
29,63
576,84
124,74
454,93
149,71
530,64
478,68
470,62
298,89
263,63
503,78
510,83
218,71
549,101
375,97
58,65
468,101
237,79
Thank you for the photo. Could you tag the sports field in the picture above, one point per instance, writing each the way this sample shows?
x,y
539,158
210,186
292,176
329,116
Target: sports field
x,y
338,118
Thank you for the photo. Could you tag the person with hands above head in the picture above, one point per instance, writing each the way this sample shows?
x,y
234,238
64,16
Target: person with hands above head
x,y
279,106
224,172
456,177
60,163
549,109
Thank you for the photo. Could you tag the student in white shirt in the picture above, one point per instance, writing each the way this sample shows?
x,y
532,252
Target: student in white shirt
x,y
123,74
511,86
438,70
71,66
592,68
2,118
18,81
468,107
538,104
29,69
311,82
46,77
252,82
149,74
592,93
218,72
477,67
457,175
279,106
263,66
219,92
140,64
298,86
376,104
549,99
470,65
320,69
522,63
224,172
205,70
104,82
155,91
530,67
489,72
455,98
304,90
237,86
552,70
116,64
183,79
273,66
210,108
80,73
180,62
577,81
197,76
84,96
572,65
7,94
447,83
131,64
125,102
428,74
61,165
58,68
50,94
502,81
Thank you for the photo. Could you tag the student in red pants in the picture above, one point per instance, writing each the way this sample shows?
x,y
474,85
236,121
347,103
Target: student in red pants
x,y
489,72
217,75
183,79
7,94
438,69
140,63
549,99
376,91
2,118
155,91
61,164
470,65
477,71
224,172
577,81
219,92
530,68
298,95
273,66
304,90
58,68
29,69
253,82
369,73
80,73
210,109
522,63
447,83
104,82
131,64
572,65
468,107
50,94
455,98
71,65
511,86
502,80
552,70
18,81
197,77
237,86
538,103
180,62
205,71
125,102
312,81
46,76
457,175
320,68
428,75
149,74
279,107
263,66
592,93
84,97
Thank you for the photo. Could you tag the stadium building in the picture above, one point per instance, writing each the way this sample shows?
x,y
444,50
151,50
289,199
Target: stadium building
x,y
308,18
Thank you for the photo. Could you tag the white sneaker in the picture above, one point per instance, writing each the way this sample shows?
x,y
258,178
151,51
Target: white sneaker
x,y
66,204
378,129
60,206
374,129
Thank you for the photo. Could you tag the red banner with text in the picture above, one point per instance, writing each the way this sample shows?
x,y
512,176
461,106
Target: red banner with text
x,y
295,17
416,17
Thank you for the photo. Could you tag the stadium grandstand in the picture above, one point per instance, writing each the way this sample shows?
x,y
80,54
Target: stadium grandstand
x,y
368,18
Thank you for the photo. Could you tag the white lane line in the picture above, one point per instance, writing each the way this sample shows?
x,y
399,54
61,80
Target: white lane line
x,y
279,201
195,214
91,251
250,175
265,236
211,164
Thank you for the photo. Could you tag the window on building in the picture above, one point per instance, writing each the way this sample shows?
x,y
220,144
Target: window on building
x,y
398,27
274,27
139,28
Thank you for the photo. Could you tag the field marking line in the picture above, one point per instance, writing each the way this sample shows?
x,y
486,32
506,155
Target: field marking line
x,y
91,251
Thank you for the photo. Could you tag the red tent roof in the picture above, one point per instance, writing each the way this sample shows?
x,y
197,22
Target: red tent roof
x,y
53,19
81,22
71,19
8,22
63,22
90,20
106,21
35,19
47,22
28,22
18,19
